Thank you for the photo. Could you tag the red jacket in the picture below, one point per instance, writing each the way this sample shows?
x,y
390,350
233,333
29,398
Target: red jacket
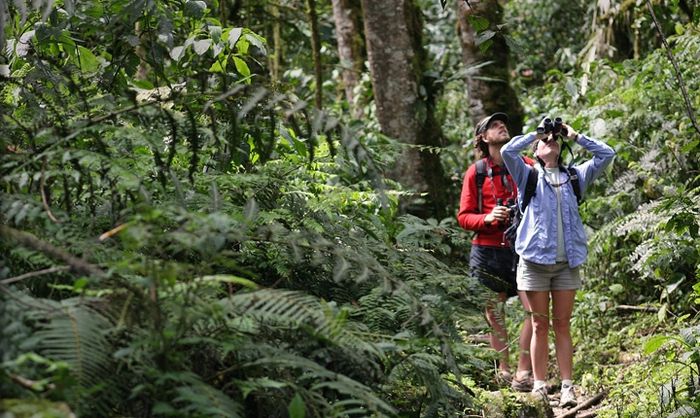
x,y
493,188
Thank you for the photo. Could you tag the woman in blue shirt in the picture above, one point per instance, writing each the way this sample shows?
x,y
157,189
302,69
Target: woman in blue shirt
x,y
552,244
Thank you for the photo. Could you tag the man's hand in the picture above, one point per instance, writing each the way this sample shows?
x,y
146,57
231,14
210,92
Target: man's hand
x,y
499,213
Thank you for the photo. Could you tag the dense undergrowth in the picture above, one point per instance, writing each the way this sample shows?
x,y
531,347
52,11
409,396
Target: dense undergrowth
x,y
214,248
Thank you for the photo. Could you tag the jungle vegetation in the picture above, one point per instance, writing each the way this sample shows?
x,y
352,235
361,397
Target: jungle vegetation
x,y
245,208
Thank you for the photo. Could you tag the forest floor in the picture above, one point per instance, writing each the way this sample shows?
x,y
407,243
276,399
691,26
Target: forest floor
x,y
619,370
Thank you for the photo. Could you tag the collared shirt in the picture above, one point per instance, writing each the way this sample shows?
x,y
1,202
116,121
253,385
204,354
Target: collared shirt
x,y
554,176
500,185
537,232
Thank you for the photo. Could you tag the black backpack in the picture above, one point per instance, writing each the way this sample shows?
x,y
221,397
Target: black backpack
x,y
516,214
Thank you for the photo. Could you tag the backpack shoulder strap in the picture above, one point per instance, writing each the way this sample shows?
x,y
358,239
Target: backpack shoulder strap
x,y
575,184
480,176
530,187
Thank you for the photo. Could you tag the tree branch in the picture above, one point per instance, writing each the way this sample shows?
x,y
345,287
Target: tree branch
x,y
636,308
571,413
77,265
33,274
684,92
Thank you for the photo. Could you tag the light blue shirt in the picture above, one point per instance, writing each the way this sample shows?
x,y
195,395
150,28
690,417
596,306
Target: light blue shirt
x,y
537,232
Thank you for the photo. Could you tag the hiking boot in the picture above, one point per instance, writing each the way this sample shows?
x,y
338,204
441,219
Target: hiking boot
x,y
568,397
503,378
524,384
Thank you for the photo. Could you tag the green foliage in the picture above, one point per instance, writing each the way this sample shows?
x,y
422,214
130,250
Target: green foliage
x,y
245,253
646,238
644,251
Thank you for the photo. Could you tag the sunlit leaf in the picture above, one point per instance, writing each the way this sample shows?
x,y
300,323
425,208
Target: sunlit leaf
x,y
201,46
233,36
177,53
241,67
654,343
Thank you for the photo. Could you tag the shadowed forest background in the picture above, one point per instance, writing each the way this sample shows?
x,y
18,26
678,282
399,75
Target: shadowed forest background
x,y
246,208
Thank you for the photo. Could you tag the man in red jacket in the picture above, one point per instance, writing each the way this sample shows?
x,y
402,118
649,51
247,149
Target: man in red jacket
x,y
491,259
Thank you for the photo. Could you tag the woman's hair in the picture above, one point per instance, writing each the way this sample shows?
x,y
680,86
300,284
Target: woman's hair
x,y
533,146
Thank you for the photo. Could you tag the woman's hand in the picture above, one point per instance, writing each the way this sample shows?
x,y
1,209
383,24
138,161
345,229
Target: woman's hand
x,y
571,134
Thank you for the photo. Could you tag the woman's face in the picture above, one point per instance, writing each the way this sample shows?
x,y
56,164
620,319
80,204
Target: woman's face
x,y
548,151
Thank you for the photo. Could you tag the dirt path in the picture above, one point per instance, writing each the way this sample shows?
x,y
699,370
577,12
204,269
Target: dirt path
x,y
586,408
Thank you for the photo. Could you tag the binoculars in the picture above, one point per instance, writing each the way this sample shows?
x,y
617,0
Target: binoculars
x,y
554,127
511,205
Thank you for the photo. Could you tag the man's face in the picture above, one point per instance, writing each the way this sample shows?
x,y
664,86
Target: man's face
x,y
497,133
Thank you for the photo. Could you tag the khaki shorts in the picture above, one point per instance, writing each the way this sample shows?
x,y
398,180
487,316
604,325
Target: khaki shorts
x,y
544,277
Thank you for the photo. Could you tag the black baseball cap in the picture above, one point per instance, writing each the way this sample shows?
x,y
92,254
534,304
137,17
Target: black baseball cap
x,y
483,125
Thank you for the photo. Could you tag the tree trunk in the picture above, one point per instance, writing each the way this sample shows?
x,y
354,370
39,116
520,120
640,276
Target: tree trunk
x,y
348,26
488,87
316,51
275,56
396,59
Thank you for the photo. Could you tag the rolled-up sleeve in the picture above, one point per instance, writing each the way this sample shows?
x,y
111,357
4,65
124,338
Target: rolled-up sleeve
x,y
514,162
603,154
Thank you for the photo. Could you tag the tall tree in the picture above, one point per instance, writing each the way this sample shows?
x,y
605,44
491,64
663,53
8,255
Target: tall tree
x,y
397,61
351,49
488,85
316,51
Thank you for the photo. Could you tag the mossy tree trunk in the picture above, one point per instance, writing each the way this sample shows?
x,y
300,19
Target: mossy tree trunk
x,y
351,48
405,101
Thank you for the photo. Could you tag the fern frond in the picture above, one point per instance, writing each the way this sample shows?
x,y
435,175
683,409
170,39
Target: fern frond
x,y
322,380
295,309
76,334
206,401
642,220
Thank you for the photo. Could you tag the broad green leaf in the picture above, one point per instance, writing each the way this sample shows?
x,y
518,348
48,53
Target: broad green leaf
x,y
195,9
233,36
177,53
256,40
297,407
87,60
80,283
218,67
241,67
215,32
242,46
655,343
201,46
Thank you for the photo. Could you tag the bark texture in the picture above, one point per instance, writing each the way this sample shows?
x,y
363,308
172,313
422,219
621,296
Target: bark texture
x,y
351,48
396,60
488,87
316,51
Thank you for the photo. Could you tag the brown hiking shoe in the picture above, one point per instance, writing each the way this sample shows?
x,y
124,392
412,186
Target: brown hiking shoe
x,y
503,378
524,384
